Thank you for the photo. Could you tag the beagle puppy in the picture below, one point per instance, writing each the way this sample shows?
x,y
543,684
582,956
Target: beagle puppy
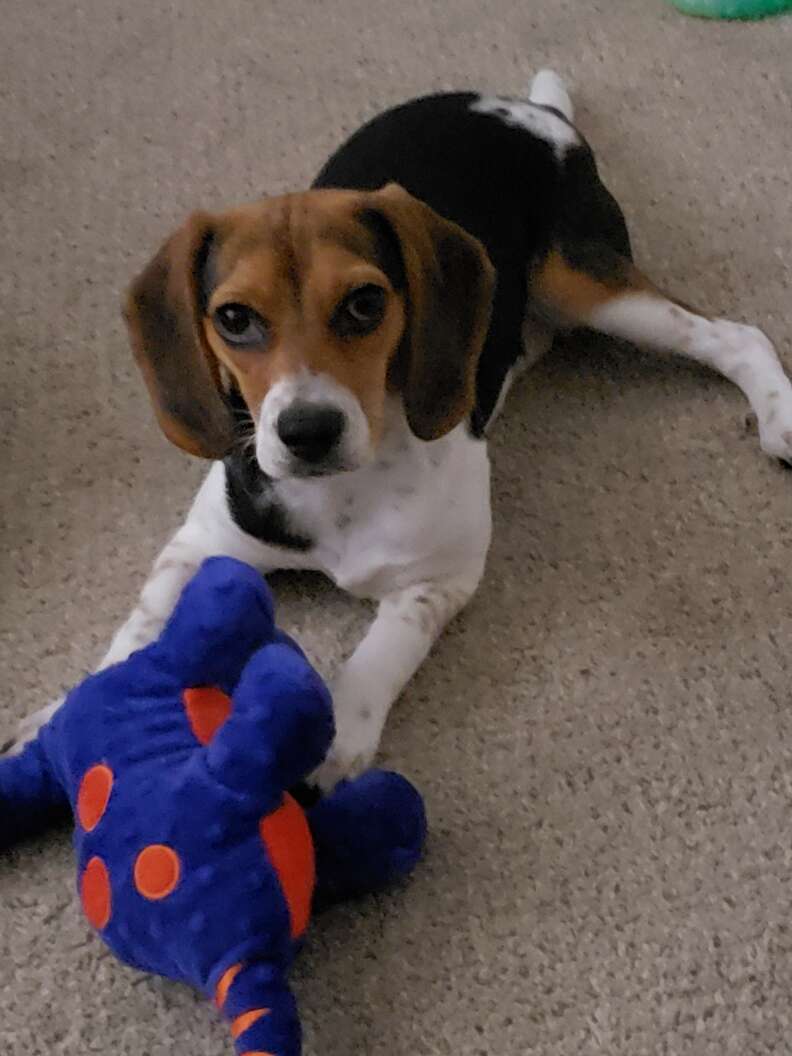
x,y
340,354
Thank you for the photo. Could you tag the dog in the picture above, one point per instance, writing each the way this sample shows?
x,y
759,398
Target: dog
x,y
341,353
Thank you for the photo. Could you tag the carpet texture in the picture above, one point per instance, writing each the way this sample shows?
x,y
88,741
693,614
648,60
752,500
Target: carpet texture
x,y
604,736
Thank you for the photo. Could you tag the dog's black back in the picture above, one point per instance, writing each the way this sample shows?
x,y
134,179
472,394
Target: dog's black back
x,y
501,182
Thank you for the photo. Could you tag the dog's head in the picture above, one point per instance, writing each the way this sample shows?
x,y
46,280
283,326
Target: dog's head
x,y
312,307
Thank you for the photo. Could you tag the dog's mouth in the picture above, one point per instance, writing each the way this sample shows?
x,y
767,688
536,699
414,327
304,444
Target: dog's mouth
x,y
295,468
308,471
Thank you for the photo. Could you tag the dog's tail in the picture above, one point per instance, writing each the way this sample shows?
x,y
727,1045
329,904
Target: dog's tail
x,y
548,89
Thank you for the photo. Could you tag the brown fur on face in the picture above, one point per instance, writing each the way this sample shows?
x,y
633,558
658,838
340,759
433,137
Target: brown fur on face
x,y
292,260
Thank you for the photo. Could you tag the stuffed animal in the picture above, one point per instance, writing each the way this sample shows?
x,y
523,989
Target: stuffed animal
x,y
193,860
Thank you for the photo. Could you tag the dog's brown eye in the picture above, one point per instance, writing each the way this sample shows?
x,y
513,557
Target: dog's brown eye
x,y
361,311
239,325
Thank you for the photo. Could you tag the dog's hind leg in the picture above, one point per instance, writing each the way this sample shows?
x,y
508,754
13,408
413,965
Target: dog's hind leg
x,y
598,288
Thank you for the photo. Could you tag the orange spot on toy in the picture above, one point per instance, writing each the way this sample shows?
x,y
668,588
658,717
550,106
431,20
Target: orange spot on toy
x,y
93,796
246,1020
290,847
207,709
95,893
225,984
157,871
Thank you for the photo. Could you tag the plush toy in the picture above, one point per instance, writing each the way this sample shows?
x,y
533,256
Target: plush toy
x,y
193,860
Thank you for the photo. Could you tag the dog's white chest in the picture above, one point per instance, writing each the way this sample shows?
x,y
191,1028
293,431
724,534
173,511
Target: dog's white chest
x,y
417,512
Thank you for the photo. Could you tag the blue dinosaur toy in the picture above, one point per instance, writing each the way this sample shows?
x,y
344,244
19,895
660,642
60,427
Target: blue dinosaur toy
x,y
193,860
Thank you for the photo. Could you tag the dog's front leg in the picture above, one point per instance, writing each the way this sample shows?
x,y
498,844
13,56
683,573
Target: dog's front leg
x,y
207,531
405,628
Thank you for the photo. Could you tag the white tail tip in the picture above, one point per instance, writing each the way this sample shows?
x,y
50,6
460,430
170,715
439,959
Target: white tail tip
x,y
548,89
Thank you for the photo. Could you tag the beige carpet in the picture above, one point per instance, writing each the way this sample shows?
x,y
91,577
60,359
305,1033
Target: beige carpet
x,y
604,737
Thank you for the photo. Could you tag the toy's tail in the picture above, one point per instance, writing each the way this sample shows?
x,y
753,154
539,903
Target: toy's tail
x,y
368,833
261,1010
30,797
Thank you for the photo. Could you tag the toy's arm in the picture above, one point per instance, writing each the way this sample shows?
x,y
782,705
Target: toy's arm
x,y
261,1009
280,727
223,615
30,793
368,833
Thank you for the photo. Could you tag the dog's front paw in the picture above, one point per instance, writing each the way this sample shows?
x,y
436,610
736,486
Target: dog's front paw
x,y
344,761
358,719
334,769
28,727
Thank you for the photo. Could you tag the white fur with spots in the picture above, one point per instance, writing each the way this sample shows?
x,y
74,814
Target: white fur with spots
x,y
743,354
547,90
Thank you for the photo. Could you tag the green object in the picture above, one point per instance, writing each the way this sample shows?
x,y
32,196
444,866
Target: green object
x,y
733,8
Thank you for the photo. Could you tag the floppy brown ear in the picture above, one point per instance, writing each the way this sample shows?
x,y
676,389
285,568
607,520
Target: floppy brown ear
x,y
450,283
163,311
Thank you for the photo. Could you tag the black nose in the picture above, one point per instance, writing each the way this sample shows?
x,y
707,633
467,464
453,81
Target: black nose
x,y
310,430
